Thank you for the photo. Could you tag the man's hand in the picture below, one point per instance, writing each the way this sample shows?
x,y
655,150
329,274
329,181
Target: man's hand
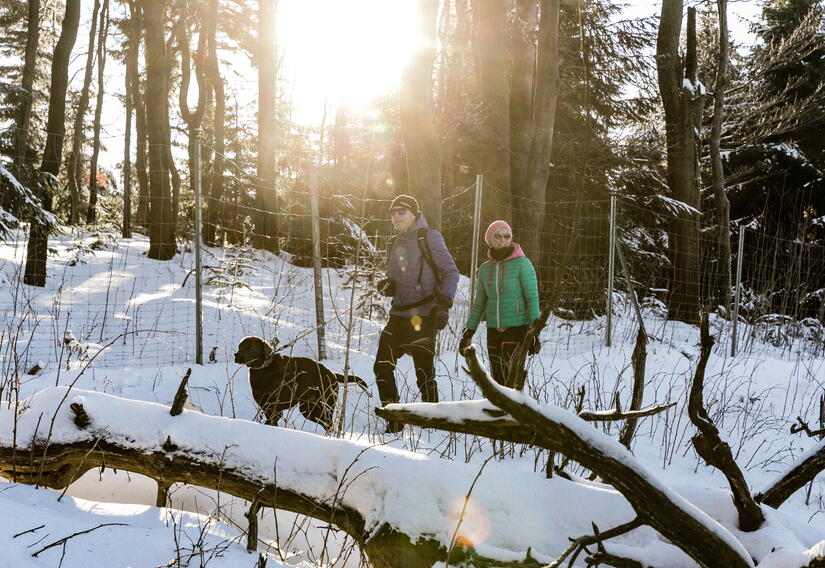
x,y
386,287
466,340
439,317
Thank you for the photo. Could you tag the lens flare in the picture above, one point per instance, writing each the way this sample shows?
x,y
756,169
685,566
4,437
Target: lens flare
x,y
475,522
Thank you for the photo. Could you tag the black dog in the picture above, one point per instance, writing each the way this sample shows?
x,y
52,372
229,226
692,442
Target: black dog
x,y
280,382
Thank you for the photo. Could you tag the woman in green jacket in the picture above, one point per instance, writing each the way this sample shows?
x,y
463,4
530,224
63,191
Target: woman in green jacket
x,y
507,296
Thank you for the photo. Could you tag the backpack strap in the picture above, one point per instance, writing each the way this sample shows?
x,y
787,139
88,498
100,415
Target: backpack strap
x,y
424,246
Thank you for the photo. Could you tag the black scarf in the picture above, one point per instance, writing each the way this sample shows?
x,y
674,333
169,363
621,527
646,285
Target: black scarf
x,y
499,254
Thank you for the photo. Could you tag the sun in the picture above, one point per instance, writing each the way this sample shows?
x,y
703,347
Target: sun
x,y
344,52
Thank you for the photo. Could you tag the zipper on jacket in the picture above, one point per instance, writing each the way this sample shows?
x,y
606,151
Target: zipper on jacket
x,y
498,297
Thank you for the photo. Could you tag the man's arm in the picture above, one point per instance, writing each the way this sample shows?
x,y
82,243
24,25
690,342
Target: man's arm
x,y
444,263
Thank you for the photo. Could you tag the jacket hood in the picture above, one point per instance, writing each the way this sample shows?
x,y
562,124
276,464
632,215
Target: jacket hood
x,y
517,252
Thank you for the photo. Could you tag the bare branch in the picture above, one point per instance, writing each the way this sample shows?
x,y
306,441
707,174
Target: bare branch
x,y
710,446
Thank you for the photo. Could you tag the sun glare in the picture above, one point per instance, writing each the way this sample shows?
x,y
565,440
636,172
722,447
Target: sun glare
x,y
345,52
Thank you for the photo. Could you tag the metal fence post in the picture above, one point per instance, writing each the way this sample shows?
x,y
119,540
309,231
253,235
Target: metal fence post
x,y
196,164
316,265
737,294
611,262
476,231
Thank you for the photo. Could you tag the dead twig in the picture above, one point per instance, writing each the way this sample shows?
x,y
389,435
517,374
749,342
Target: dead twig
x,y
71,536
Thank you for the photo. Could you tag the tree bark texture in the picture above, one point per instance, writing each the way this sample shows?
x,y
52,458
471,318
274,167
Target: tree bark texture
x,y
638,362
130,60
266,203
193,118
712,449
36,249
417,121
529,198
793,479
75,160
722,273
141,137
677,99
491,64
522,74
21,154
160,215
91,211
654,504
214,201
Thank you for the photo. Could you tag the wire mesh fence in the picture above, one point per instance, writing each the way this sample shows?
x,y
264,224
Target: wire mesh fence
x,y
127,311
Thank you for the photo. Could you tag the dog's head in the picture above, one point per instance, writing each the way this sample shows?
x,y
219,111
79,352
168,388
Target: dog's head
x,y
253,351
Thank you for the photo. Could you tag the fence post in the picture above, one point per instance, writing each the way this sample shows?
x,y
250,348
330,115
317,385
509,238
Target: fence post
x,y
740,254
476,231
316,264
611,261
196,164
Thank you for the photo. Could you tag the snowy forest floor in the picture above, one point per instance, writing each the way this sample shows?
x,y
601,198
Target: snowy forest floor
x,y
111,320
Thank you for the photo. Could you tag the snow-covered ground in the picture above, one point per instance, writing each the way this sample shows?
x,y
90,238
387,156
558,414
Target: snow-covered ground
x,y
112,321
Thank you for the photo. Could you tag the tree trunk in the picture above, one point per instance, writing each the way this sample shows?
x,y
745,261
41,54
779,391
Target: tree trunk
x,y
722,273
193,118
75,161
131,64
266,219
492,75
160,214
529,213
141,138
91,214
21,154
417,122
677,99
522,77
710,446
167,133
36,250
214,200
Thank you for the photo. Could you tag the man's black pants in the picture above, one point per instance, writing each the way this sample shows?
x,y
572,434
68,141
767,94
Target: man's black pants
x,y
401,336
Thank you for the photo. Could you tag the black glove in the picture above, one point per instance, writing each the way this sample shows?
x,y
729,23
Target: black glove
x,y
386,287
466,340
443,301
535,346
439,317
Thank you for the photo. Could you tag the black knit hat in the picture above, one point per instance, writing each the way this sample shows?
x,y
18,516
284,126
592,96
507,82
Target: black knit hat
x,y
405,202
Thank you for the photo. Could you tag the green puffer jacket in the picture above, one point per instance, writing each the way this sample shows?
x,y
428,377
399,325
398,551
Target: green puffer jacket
x,y
506,292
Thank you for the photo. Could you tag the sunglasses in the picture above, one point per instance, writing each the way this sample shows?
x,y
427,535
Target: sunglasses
x,y
502,235
398,212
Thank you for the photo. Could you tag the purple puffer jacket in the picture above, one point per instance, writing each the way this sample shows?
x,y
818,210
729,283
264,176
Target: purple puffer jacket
x,y
405,263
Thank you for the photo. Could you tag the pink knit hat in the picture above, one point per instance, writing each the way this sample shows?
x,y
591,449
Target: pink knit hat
x,y
488,235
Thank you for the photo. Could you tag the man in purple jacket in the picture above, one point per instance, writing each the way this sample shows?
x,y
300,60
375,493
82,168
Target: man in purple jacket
x,y
421,279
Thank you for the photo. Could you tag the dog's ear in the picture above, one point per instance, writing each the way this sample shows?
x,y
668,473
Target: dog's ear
x,y
266,348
